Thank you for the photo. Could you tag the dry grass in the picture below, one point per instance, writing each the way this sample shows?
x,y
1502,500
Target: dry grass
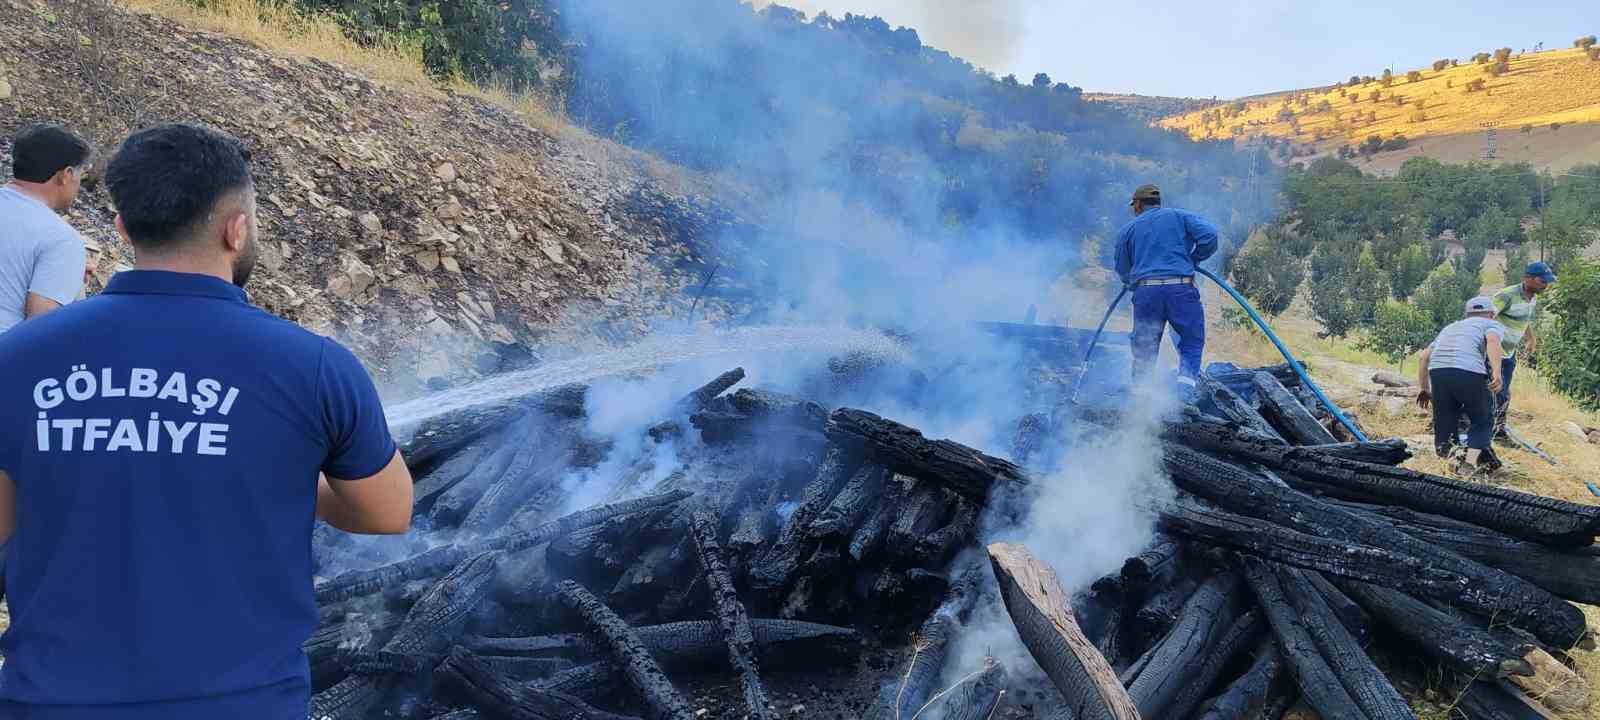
x,y
1555,86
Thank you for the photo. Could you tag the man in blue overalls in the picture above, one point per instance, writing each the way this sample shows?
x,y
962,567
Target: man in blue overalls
x,y
1156,256
167,447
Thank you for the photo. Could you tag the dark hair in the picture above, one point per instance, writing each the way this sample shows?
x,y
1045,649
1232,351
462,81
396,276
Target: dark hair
x,y
1151,201
40,151
166,179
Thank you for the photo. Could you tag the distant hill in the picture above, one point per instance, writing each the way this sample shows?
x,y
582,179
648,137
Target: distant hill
x,y
1148,107
1544,109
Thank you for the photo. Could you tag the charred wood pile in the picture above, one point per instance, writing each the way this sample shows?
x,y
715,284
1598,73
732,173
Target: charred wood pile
x,y
1293,564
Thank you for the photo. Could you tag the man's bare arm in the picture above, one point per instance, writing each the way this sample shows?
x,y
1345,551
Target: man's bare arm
x,y
376,505
37,304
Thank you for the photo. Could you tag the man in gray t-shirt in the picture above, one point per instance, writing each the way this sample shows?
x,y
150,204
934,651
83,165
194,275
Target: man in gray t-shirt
x,y
1459,374
42,258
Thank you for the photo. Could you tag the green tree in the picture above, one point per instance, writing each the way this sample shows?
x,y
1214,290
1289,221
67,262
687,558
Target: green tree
x,y
1041,81
1569,351
1584,42
1494,227
1267,272
1408,269
1440,65
1480,58
1516,265
1345,291
1413,76
1441,298
1398,331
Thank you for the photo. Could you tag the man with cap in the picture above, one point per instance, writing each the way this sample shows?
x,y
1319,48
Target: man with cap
x,y
41,256
1517,308
170,448
1156,256
1459,374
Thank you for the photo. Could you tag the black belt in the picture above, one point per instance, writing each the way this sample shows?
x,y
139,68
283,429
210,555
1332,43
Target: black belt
x,y
1186,280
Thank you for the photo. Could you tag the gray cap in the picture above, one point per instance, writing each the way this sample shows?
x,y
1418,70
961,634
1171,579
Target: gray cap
x,y
1481,303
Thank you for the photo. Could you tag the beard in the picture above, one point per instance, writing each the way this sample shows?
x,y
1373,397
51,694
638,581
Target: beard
x,y
245,263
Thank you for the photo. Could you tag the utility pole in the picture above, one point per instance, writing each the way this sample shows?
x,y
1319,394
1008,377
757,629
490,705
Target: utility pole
x,y
1488,139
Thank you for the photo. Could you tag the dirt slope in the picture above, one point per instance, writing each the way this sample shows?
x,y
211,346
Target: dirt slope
x,y
417,225
1543,110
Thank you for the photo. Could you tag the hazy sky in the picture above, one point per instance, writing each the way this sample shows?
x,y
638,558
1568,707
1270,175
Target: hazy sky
x,y
1227,48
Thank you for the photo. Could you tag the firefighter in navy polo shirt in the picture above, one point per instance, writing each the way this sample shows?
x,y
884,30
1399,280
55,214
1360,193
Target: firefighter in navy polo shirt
x,y
166,448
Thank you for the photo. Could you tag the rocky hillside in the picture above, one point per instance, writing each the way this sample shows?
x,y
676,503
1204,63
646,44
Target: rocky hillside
x,y
420,226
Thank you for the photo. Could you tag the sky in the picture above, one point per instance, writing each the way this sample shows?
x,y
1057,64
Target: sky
x,y
1222,48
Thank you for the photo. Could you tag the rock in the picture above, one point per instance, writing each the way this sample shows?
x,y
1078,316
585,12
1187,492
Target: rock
x,y
427,259
446,173
1396,407
552,249
1575,430
1391,379
1594,437
370,223
451,264
353,278
5,89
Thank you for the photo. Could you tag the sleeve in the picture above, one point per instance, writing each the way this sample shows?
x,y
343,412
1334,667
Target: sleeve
x,y
1502,302
1124,255
359,444
1202,236
58,269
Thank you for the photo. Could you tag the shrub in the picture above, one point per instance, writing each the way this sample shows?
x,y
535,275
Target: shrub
x,y
1324,106
1398,142
1267,272
1594,54
1440,65
1503,54
1418,115
1285,114
1413,76
1585,42
1354,98
1475,85
1398,331
1449,83
1375,96
1399,101
1497,68
1569,351
1480,58
1516,265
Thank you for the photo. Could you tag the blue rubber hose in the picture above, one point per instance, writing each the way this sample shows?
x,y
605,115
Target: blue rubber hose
x,y
1096,341
1293,363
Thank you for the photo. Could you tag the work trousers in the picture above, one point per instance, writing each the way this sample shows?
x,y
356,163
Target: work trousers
x,y
1155,307
1502,401
1458,392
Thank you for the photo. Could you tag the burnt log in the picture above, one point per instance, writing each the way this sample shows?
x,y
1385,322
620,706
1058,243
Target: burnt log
x,y
1486,590
697,644
506,699
1030,437
1320,685
1248,696
756,411
1181,655
1460,645
1243,635
776,568
356,697
1350,614
452,505
1041,611
922,513
732,619
1152,619
976,697
869,538
1293,421
904,450
1536,518
1485,700
936,548
1393,451
1158,566
517,537
358,583
1235,409
699,397
855,500
595,681
526,669
461,714
330,649
1344,654
445,476
661,700
905,694
1570,574
433,624
534,469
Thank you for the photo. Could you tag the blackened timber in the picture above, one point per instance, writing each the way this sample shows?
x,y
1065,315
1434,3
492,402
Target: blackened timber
x,y
437,619
1248,695
1292,420
907,692
777,567
503,697
977,697
698,398
1487,591
869,537
1458,644
517,537
526,669
1569,574
1157,566
922,512
1523,515
331,647
938,547
1377,452
845,513
446,474
1234,408
1174,662
1042,614
903,449
594,681
1497,700
535,468
1241,636
732,618
1350,614
1366,684
365,582
356,697
1155,616
661,700
697,643
1320,685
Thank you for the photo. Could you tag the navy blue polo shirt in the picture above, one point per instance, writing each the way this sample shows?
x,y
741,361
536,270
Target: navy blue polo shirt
x,y
164,438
